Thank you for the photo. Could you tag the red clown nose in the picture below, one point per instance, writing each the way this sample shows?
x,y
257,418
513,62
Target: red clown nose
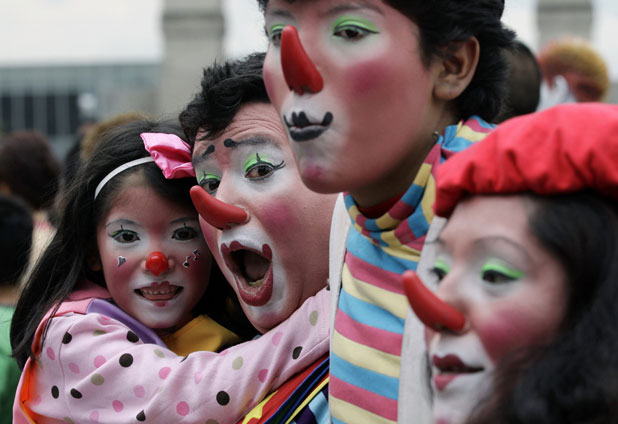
x,y
431,310
217,213
299,71
157,263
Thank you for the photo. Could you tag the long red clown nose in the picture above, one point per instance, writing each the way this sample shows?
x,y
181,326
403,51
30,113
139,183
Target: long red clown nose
x,y
299,71
157,263
432,311
217,213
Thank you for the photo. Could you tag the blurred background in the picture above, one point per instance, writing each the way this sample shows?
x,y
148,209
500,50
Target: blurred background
x,y
65,63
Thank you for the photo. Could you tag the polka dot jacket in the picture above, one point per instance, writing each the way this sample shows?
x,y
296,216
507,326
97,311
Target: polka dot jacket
x,y
94,369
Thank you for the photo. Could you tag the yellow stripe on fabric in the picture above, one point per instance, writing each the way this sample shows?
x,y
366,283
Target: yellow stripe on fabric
x,y
387,221
307,400
402,252
365,357
428,199
423,173
469,134
397,304
349,413
258,410
354,212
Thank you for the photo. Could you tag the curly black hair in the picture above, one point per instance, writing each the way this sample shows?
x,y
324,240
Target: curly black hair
x,y
225,89
442,24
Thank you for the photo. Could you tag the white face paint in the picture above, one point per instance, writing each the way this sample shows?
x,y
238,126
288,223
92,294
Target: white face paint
x,y
140,222
376,113
279,257
510,288
456,394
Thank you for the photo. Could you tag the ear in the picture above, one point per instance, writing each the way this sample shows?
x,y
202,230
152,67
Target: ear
x,y
457,68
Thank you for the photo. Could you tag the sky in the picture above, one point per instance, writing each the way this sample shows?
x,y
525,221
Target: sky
x,y
78,31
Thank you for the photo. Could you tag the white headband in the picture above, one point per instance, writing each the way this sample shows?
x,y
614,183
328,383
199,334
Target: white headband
x,y
118,170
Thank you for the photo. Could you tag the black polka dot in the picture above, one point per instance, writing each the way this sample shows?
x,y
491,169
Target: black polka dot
x,y
67,338
141,416
296,352
126,360
55,392
76,394
223,398
132,337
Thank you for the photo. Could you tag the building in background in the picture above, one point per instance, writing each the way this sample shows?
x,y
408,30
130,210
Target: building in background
x,y
57,99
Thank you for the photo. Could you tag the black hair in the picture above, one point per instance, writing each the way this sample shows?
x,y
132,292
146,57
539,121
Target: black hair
x,y
573,378
225,88
16,226
67,260
442,23
29,168
524,82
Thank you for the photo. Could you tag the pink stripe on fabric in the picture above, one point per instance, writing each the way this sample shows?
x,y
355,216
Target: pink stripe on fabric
x,y
372,337
374,275
475,125
362,398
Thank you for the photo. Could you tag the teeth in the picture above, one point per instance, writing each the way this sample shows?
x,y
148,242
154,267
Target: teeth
x,y
153,292
256,283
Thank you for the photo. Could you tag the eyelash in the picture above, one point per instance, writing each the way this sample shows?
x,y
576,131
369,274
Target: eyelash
x,y
440,269
495,273
274,35
259,165
192,233
353,29
208,180
117,235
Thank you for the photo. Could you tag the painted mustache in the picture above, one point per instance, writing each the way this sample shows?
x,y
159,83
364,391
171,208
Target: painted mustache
x,y
302,129
432,311
299,72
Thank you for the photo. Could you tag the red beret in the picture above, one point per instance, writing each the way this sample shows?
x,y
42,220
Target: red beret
x,y
564,149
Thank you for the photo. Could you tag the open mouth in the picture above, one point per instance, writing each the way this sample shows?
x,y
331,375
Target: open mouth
x,y
302,128
252,271
159,291
450,367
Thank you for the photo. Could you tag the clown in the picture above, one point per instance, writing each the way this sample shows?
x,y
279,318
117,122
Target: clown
x,y
374,95
267,231
521,325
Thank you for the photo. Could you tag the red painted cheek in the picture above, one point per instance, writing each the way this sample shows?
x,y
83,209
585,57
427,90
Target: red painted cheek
x,y
429,335
279,218
366,77
504,330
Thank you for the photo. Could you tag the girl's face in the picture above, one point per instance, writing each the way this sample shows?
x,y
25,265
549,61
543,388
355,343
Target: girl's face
x,y
140,222
511,290
375,114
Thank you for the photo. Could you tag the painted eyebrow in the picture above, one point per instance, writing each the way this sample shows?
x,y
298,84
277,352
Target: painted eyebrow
x,y
351,7
122,221
183,219
253,141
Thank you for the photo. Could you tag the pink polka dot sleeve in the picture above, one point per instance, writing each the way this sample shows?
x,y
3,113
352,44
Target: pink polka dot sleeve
x,y
94,369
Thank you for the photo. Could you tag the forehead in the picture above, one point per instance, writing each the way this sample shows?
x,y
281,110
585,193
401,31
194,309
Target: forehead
x,y
254,121
481,216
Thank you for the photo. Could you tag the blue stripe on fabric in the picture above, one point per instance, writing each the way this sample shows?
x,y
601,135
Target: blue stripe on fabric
x,y
336,421
368,314
418,223
319,407
366,379
363,249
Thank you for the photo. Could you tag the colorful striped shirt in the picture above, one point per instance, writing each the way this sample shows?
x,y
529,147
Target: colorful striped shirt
x,y
372,308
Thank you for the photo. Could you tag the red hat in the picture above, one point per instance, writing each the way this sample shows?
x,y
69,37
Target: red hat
x,y
564,149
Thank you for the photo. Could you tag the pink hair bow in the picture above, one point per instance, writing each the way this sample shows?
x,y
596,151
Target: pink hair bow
x,y
170,153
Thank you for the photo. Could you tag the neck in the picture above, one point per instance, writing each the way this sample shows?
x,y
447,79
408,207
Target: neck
x,y
400,178
9,294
